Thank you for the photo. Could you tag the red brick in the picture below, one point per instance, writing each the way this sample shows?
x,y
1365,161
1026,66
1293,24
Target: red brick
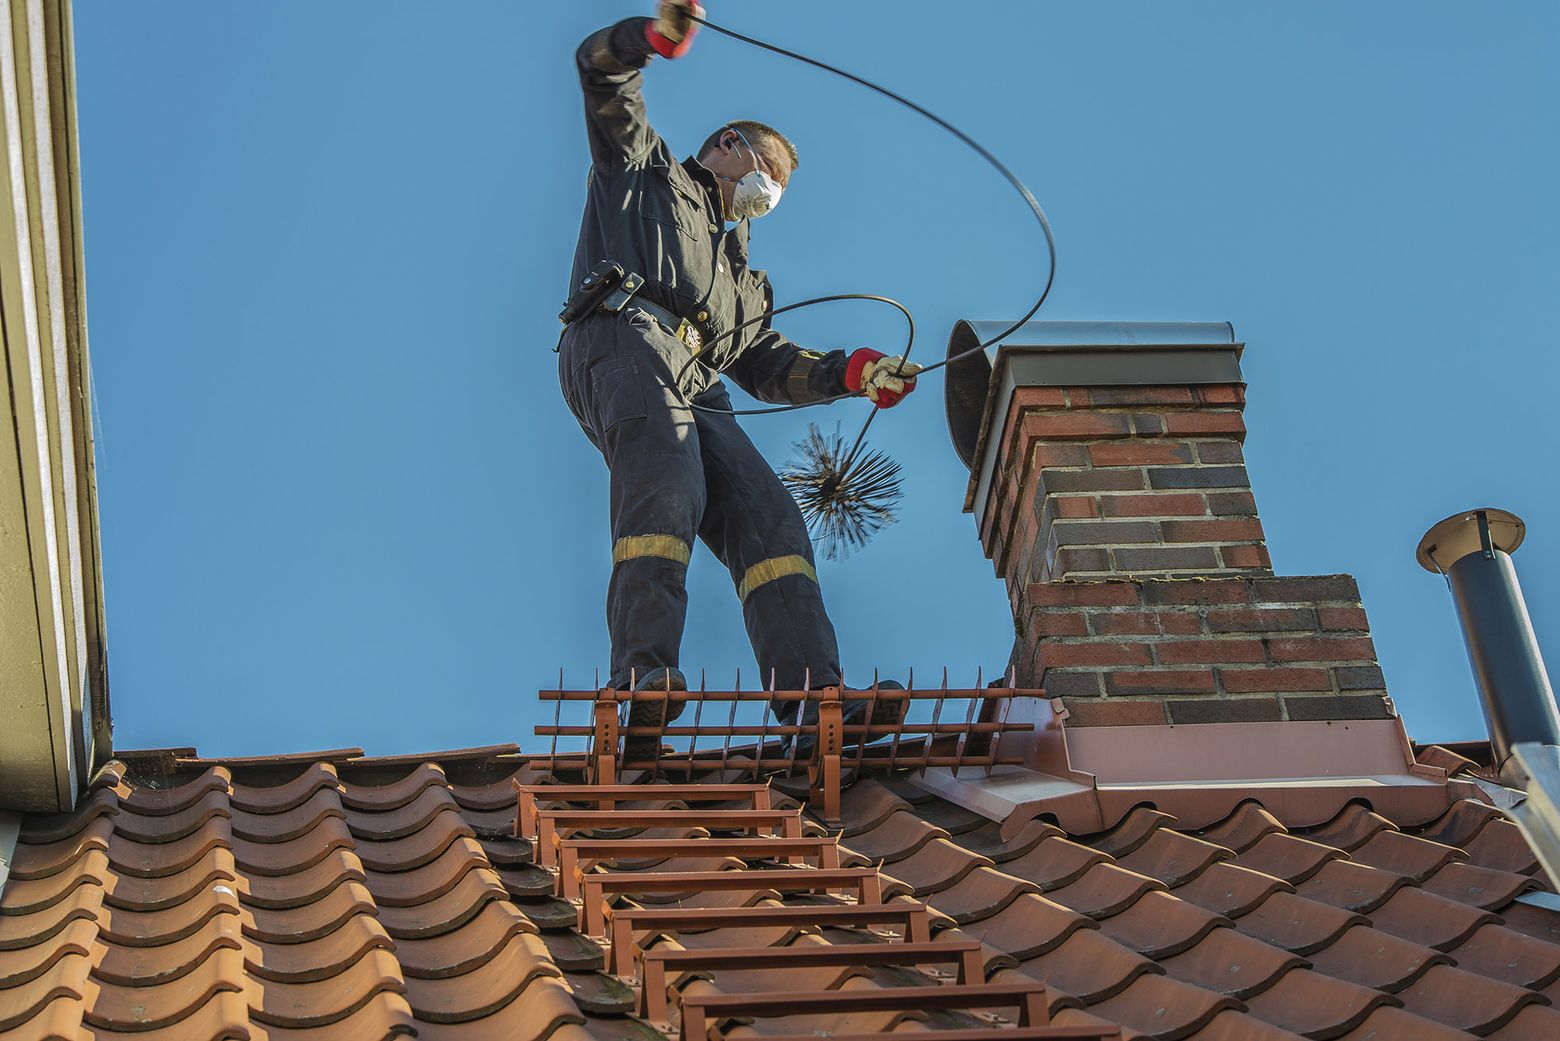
x,y
1116,480
1038,397
1339,706
1048,454
1246,556
1068,683
1147,424
1074,560
1074,426
1222,394
1229,423
1152,505
1344,619
1261,620
1232,504
1160,681
1083,594
1225,710
1165,558
1219,452
1058,623
1309,589
1197,652
1251,681
1140,453
1125,623
1074,505
1242,529
1122,397
1196,591
1055,655
1087,713
1322,648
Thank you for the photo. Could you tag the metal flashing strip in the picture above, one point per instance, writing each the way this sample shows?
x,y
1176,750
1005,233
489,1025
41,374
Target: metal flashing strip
x,y
1539,815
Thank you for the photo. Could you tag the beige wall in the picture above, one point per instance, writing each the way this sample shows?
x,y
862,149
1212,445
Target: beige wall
x,y
53,683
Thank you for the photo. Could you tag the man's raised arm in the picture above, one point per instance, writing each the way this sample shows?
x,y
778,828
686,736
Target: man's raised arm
x,y
609,62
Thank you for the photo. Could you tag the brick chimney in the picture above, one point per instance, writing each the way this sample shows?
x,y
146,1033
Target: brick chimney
x,y
1110,491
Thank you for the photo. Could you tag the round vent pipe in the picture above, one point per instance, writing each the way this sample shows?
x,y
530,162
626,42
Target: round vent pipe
x,y
1473,550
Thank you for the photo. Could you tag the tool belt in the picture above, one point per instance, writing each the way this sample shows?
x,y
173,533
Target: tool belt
x,y
608,287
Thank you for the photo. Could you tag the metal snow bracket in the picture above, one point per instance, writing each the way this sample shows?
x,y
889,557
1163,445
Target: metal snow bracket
x,y
828,748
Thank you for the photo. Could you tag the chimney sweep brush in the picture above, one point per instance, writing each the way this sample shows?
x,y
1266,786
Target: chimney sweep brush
x,y
846,497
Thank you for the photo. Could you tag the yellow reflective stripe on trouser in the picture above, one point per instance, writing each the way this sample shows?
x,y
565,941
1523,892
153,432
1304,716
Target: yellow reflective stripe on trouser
x,y
771,569
669,546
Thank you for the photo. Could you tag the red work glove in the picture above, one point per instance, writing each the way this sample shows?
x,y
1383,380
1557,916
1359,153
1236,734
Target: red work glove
x,y
672,32
885,380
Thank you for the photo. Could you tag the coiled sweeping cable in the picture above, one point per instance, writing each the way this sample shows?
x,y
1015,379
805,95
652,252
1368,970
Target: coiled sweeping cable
x,y
997,164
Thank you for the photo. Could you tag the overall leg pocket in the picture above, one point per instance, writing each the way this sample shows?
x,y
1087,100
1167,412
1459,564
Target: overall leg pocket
x,y
617,392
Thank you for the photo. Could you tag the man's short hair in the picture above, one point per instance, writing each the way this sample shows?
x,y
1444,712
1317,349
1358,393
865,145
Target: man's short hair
x,y
751,129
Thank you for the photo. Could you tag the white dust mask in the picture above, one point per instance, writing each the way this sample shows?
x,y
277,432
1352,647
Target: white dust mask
x,y
755,192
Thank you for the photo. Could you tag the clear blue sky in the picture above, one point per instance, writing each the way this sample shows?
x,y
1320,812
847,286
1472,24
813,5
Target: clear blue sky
x,y
343,503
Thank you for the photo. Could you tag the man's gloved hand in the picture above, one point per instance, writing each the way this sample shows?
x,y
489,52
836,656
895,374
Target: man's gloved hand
x,y
885,380
672,32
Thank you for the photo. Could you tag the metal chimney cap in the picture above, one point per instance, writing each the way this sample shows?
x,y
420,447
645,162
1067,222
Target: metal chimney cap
x,y
1458,535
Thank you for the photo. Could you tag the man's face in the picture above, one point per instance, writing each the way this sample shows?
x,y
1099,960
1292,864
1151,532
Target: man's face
x,y
732,159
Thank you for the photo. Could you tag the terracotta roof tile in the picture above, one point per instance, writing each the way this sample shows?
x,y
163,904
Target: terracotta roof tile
x,y
447,911
1467,1001
1243,828
145,966
23,964
1536,922
1373,958
148,1007
65,978
1230,890
154,802
1090,966
1504,954
304,886
1173,858
987,840
320,958
1288,857
1394,1024
937,865
1136,828
980,894
1159,925
286,857
1054,862
1351,886
1461,823
1533,1023
1316,1005
222,1016
1164,1008
1428,919
1104,890
1297,924
154,860
1230,962
1353,826
40,860
398,793
897,836
1480,886
283,797
1405,855
1500,845
1030,926
288,824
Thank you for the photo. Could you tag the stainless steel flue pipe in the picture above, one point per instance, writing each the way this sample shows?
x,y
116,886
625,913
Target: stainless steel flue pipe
x,y
1473,550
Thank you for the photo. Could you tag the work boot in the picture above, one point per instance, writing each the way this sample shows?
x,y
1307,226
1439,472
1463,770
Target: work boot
x,y
854,713
653,713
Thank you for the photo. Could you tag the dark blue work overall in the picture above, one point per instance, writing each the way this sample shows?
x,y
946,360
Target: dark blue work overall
x,y
676,472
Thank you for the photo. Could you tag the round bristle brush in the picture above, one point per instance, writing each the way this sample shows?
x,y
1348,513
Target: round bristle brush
x,y
846,497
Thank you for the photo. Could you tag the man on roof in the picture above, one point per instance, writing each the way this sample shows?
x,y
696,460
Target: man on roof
x,y
661,274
